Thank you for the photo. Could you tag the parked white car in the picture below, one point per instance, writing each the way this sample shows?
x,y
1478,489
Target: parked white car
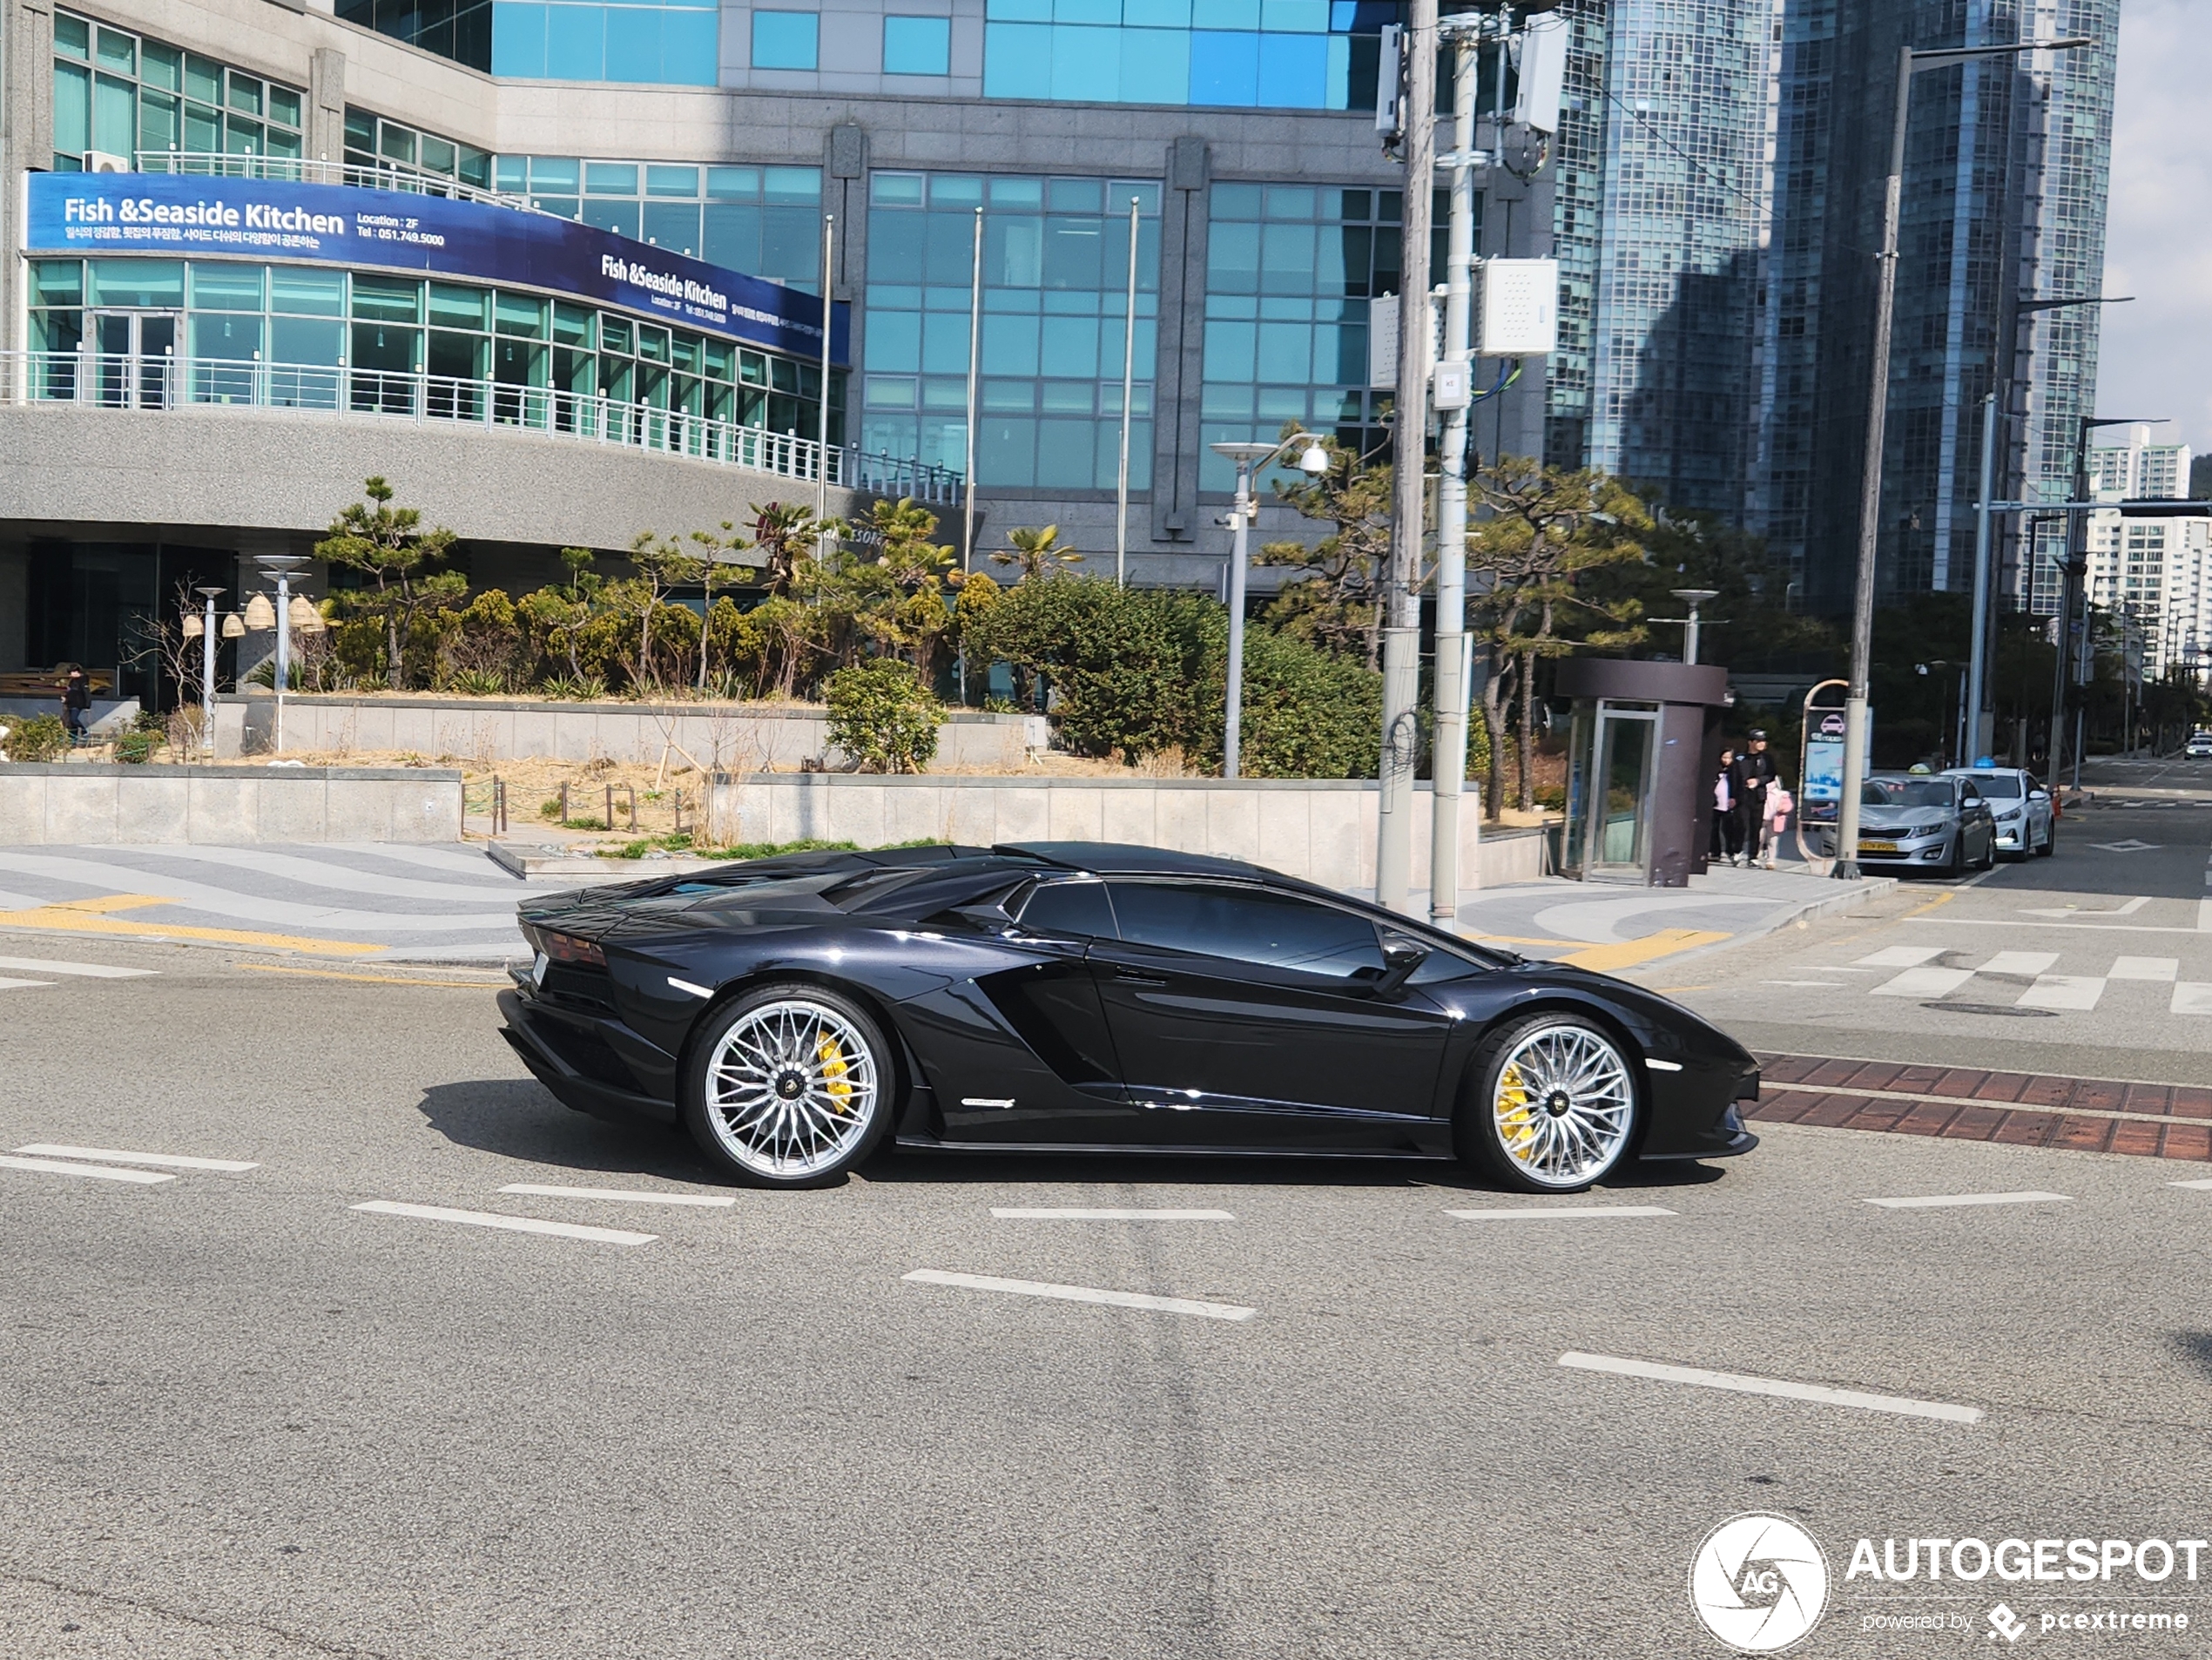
x,y
2200,746
2026,823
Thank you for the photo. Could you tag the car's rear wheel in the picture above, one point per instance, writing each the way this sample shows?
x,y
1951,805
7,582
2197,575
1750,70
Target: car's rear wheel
x,y
1552,1106
789,1086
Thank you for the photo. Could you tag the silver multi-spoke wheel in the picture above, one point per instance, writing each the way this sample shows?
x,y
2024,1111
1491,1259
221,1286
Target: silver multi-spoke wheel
x,y
1563,1105
792,1088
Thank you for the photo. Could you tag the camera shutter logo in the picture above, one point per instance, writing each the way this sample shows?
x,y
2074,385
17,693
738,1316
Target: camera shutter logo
x,y
1758,1584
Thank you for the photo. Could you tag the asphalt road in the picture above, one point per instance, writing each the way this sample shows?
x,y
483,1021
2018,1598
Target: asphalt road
x,y
240,1417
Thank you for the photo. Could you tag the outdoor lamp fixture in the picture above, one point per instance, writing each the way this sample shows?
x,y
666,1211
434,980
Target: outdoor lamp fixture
x,y
1693,598
1909,64
192,628
1251,458
233,626
260,614
305,618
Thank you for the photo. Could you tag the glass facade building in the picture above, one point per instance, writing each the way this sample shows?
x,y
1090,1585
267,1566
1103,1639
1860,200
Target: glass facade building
x,y
1289,270
1679,215
118,93
1274,54
1055,307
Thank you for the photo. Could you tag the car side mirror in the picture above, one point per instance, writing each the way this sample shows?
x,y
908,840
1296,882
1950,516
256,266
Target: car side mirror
x,y
1401,956
2039,796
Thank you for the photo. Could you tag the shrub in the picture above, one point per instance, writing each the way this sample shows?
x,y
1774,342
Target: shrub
x,y
135,747
42,737
1308,713
882,716
589,689
479,683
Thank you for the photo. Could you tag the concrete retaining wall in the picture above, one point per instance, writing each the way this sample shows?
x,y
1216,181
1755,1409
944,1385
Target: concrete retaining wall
x,y
1322,830
721,737
91,805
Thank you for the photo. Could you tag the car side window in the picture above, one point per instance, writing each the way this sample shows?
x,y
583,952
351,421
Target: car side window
x,y
1247,925
1078,908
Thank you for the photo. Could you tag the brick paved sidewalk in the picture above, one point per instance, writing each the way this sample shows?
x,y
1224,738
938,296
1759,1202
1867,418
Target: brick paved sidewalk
x,y
1961,1103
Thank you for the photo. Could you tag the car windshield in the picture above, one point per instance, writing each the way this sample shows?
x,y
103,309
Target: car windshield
x,y
1906,792
1998,786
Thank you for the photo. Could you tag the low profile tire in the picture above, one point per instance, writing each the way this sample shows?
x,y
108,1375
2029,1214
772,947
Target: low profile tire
x,y
2050,842
1989,854
789,1086
1551,1106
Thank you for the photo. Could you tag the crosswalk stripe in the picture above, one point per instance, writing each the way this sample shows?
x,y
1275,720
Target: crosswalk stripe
x,y
88,970
2192,997
2020,963
2163,969
1900,956
18,985
1924,982
2071,991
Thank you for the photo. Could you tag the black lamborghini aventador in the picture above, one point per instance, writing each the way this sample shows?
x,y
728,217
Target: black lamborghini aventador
x,y
792,1012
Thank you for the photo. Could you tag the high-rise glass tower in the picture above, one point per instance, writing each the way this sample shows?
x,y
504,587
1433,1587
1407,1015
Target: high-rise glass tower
x,y
2004,201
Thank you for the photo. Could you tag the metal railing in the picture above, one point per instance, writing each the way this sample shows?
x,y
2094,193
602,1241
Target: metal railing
x,y
133,382
300,170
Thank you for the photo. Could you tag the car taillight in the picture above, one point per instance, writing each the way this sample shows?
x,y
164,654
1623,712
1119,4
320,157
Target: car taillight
x,y
566,947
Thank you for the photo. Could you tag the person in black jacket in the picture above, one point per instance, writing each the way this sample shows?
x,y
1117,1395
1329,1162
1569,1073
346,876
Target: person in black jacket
x,y
76,701
1748,777
1727,824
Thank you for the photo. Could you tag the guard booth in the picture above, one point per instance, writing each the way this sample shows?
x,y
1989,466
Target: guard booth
x,y
1644,747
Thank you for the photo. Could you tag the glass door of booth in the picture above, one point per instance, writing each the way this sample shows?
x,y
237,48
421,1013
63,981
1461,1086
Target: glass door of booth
x,y
1611,765
134,358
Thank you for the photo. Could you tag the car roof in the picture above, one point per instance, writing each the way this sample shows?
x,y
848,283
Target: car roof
x,y
1129,859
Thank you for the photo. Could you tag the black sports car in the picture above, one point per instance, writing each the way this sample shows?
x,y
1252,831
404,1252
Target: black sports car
x,y
794,1011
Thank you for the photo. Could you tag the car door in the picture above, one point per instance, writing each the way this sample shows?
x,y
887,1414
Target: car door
x,y
1063,1084
1245,1017
1977,825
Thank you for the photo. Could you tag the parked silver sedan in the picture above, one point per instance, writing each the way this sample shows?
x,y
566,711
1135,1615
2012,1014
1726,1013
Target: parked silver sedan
x,y
1929,821
2021,807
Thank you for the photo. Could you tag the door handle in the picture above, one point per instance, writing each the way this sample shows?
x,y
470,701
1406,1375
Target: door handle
x,y
1136,978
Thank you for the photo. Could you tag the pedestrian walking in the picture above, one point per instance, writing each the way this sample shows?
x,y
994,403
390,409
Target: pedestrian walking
x,y
77,699
1779,805
1728,828
1753,771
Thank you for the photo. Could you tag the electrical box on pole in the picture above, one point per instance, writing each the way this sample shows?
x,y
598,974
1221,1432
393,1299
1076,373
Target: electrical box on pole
x,y
1516,308
1542,73
1382,342
1389,77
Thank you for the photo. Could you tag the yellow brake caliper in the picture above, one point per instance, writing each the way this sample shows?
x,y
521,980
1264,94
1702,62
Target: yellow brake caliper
x,y
1512,1111
834,1070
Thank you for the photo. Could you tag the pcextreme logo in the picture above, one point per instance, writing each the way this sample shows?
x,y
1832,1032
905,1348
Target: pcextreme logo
x,y
1758,1584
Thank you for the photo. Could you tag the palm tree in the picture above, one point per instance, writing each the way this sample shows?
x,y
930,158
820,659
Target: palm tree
x,y
1038,552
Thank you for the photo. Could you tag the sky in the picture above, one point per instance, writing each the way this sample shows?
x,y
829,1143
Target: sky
x,y
2156,355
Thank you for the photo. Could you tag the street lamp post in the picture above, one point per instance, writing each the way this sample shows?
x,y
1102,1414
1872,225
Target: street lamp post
x,y
1909,64
208,635
2072,569
1250,458
1996,415
281,566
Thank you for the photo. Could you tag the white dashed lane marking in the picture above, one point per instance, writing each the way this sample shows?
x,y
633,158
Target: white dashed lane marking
x,y
1561,1213
1046,1213
1938,1201
103,1172
110,1156
511,1223
1082,1294
621,1195
88,970
1697,1377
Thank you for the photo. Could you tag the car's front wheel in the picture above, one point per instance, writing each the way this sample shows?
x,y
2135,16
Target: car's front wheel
x,y
1552,1106
789,1086
2050,841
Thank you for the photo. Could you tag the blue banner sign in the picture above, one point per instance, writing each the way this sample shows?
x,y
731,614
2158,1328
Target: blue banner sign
x,y
106,213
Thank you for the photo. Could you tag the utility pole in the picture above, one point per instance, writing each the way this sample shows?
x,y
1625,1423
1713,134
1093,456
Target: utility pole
x,y
1454,396
2072,570
1401,616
